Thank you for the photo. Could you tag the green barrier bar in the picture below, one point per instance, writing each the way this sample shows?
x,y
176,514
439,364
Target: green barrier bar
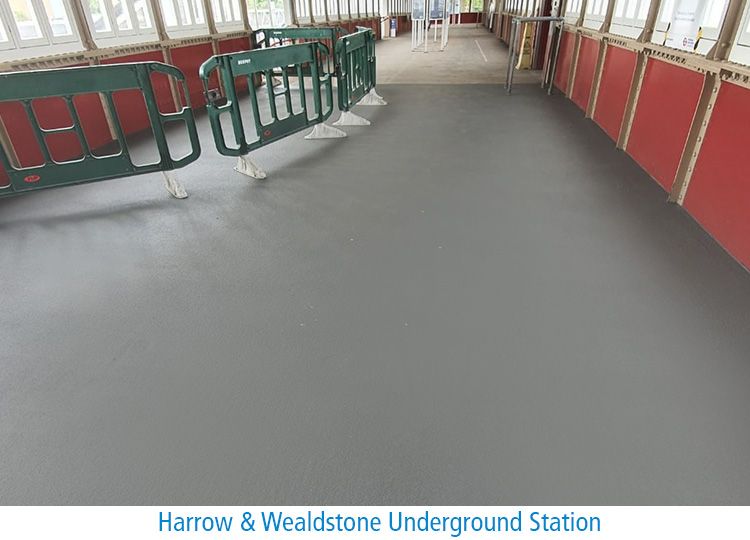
x,y
26,86
305,62
270,37
356,74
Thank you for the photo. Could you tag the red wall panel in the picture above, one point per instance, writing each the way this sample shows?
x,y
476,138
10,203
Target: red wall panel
x,y
234,45
53,113
131,109
719,193
588,54
189,59
664,112
564,59
614,88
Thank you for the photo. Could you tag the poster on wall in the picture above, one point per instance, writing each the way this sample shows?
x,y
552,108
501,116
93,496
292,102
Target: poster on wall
x,y
437,9
691,20
417,10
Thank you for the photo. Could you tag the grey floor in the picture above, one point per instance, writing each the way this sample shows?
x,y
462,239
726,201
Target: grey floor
x,y
473,56
490,305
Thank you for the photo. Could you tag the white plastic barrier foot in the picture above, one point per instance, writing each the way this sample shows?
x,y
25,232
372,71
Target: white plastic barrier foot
x,y
372,98
248,167
173,185
324,131
348,118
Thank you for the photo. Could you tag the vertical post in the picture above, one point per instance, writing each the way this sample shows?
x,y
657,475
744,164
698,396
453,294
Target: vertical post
x,y
208,10
511,54
159,26
553,60
706,102
79,18
640,70
245,18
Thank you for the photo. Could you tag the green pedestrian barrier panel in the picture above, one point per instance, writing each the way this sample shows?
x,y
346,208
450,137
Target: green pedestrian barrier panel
x,y
93,165
273,112
356,74
271,37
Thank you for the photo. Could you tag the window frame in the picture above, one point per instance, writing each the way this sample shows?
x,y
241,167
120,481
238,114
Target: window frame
x,y
181,29
115,36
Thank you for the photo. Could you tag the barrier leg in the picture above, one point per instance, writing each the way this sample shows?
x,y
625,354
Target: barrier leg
x,y
372,98
324,131
173,185
348,118
248,167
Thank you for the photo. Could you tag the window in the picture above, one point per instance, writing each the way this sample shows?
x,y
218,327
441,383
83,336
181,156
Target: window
x,y
572,11
119,21
37,25
690,25
333,10
226,13
595,12
741,50
183,17
629,17
270,13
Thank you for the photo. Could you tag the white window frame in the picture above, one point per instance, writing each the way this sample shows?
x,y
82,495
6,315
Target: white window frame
x,y
116,36
740,52
48,39
15,48
219,9
596,11
303,10
253,12
333,13
709,34
572,11
630,26
181,29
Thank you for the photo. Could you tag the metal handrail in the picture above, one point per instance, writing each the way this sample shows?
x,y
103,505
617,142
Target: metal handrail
x,y
550,63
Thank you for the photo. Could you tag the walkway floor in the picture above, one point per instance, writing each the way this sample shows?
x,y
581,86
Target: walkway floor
x,y
490,305
473,56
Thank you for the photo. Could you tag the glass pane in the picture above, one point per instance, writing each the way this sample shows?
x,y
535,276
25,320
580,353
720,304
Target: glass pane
x,y
184,12
58,18
99,16
227,10
236,10
121,15
3,33
666,11
168,12
714,14
630,11
198,10
25,18
643,9
619,8
279,16
216,7
142,14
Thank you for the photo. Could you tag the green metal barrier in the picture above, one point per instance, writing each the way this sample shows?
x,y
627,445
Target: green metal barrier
x,y
305,62
26,86
270,37
356,75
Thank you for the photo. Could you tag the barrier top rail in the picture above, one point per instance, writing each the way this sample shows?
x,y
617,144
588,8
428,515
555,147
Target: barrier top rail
x,y
313,32
265,37
305,62
550,62
92,164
